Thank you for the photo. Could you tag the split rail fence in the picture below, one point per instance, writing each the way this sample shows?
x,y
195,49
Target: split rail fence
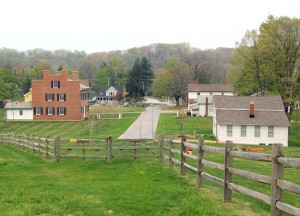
x,y
177,153
57,148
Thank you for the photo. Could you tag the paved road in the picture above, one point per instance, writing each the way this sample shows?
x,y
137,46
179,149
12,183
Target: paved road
x,y
144,127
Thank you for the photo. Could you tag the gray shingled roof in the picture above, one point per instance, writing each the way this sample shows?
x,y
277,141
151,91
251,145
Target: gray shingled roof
x,y
242,102
84,87
18,105
218,87
241,117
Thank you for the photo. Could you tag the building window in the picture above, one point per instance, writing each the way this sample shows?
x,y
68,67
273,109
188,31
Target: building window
x,y
55,84
61,111
49,97
38,111
257,131
50,111
111,93
243,130
229,130
61,97
21,112
271,131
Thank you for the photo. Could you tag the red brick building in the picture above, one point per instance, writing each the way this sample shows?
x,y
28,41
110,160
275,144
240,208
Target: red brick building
x,y
60,97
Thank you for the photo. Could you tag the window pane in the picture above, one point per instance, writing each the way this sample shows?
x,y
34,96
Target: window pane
x,y
229,130
271,131
243,131
257,131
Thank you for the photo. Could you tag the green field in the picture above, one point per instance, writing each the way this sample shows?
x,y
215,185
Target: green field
x,y
30,185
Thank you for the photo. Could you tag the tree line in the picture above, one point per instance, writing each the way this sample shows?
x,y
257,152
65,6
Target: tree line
x,y
265,61
111,68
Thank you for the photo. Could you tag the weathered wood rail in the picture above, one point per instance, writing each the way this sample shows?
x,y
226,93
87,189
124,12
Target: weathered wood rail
x,y
57,148
278,184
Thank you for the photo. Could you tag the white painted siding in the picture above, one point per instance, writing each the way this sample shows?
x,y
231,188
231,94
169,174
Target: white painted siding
x,y
280,135
15,114
192,95
228,93
204,93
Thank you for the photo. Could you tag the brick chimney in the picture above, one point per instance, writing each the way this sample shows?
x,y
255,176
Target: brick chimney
x,y
251,114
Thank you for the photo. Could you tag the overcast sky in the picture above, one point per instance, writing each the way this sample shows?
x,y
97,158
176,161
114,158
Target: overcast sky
x,y
105,25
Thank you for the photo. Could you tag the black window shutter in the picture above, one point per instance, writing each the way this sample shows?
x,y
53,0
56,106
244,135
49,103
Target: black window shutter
x,y
51,84
58,84
34,111
57,97
46,110
65,111
65,97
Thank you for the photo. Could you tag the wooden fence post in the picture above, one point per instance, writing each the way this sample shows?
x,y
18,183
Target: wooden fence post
x,y
171,146
23,143
161,148
183,149
83,151
109,149
199,162
227,174
56,149
32,143
47,147
40,152
277,173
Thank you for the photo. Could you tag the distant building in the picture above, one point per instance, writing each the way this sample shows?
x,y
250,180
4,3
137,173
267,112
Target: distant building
x,y
28,96
107,94
59,97
250,120
200,97
18,111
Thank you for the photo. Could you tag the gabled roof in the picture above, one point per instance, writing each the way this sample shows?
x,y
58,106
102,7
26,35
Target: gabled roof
x,y
242,102
217,87
241,117
84,87
235,110
105,88
18,105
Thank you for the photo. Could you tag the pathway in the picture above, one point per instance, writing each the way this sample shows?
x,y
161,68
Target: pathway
x,y
144,127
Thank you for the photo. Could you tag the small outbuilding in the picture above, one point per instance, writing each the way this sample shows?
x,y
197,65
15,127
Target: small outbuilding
x,y
250,120
18,111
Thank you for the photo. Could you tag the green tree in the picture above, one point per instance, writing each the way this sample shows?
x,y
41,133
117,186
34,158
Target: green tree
x,y
147,75
8,85
134,84
281,40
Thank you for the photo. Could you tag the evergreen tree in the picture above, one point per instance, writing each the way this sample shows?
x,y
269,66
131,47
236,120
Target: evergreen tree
x,y
134,84
147,75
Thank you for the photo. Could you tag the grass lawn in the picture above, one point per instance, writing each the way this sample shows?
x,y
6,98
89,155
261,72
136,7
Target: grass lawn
x,y
170,124
100,130
30,185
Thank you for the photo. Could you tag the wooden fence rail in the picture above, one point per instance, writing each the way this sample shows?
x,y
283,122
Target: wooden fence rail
x,y
57,148
178,149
